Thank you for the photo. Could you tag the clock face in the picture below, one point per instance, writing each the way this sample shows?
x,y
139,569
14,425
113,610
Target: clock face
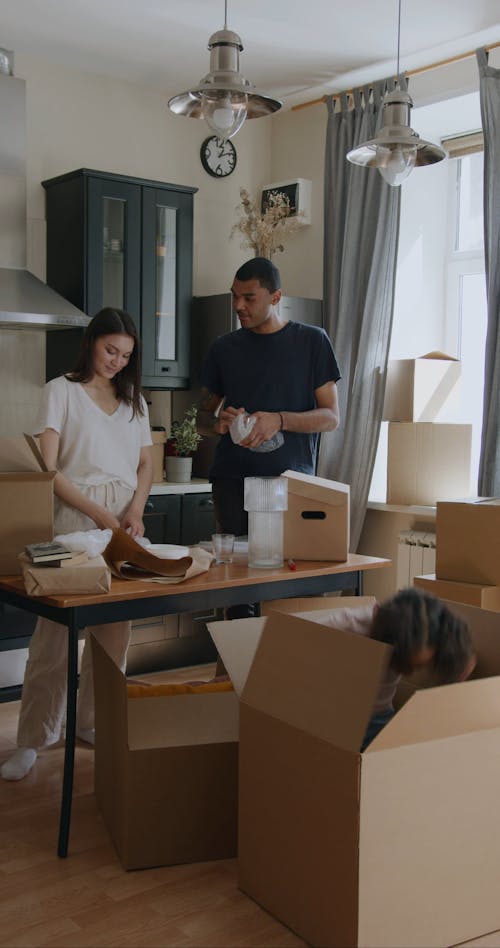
x,y
218,157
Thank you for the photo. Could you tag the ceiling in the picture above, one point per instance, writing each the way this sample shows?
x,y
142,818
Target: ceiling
x,y
294,51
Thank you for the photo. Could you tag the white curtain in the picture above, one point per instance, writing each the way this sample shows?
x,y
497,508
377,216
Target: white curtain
x,y
360,254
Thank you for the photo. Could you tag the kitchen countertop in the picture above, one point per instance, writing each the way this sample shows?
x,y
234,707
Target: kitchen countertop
x,y
195,486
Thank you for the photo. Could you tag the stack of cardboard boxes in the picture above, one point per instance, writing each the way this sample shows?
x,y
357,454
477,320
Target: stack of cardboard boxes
x,y
467,553
428,459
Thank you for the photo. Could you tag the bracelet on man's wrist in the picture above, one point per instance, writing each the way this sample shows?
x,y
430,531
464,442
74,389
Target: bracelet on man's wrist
x,y
281,420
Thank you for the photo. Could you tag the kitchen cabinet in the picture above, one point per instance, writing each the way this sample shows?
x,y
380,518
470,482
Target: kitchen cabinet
x,y
162,518
198,518
114,240
169,641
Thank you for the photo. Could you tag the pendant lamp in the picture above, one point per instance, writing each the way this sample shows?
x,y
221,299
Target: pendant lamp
x,y
224,98
396,149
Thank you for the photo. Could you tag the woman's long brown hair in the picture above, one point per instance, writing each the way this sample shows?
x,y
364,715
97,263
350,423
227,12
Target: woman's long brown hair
x,y
127,382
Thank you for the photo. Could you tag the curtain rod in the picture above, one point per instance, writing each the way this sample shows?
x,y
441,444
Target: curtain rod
x,y
409,72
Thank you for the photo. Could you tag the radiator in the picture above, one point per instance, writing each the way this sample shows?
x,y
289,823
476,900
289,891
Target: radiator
x,y
416,556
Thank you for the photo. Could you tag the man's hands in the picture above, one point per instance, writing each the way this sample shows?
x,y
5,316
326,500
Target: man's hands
x,y
226,418
266,424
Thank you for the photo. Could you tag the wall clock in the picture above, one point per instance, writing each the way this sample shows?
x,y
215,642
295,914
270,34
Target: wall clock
x,y
218,157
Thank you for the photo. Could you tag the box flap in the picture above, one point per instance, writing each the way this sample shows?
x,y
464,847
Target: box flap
x,y
316,678
236,641
447,711
320,489
484,626
21,454
471,501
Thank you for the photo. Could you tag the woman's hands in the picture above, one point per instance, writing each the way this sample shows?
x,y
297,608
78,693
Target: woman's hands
x,y
132,522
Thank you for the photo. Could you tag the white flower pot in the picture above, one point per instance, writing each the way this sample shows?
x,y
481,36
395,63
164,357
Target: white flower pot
x,y
178,470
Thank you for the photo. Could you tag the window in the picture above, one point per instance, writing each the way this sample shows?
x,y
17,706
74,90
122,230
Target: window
x,y
440,299
466,310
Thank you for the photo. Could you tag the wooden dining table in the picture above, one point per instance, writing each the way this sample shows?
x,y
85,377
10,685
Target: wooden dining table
x,y
220,586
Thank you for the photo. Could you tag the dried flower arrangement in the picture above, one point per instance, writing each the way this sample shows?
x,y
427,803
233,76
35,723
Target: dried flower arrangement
x,y
264,232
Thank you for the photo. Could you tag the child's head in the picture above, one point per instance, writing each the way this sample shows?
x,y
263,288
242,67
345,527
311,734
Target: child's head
x,y
421,630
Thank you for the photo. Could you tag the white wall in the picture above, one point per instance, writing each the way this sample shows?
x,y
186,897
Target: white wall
x,y
76,119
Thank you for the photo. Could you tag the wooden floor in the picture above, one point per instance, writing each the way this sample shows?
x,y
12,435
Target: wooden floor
x,y
88,899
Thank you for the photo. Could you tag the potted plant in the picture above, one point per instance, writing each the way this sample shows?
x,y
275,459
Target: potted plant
x,y
181,445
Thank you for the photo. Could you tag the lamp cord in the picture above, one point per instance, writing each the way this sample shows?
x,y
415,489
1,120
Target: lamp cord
x,y
399,39
225,14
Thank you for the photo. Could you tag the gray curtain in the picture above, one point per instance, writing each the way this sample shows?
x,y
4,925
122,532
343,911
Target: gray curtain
x,y
360,252
489,90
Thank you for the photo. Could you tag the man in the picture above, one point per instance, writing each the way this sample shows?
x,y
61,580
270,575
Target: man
x,y
282,373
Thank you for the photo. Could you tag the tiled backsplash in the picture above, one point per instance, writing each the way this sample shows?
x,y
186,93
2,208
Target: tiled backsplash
x,y
22,374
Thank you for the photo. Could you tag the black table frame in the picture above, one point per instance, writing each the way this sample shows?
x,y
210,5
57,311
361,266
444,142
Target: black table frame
x,y
78,617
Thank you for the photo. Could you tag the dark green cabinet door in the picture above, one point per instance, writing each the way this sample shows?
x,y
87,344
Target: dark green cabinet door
x,y
198,518
167,229
113,247
162,518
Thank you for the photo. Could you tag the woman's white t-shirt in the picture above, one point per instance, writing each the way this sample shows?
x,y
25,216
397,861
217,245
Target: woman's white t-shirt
x,y
94,447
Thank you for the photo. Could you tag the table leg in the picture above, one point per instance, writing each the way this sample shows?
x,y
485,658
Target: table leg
x,y
69,749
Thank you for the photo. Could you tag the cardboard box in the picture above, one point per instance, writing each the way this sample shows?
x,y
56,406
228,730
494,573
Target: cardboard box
x,y
166,771
26,500
485,597
427,463
93,576
316,524
396,846
306,604
423,389
468,540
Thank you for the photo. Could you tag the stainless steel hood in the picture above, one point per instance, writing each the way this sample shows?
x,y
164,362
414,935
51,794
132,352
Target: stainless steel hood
x,y
28,303
25,301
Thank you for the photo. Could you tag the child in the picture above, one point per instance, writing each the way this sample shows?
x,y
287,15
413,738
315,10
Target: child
x,y
421,631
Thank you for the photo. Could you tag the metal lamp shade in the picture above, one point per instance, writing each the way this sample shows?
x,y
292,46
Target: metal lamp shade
x,y
224,98
396,148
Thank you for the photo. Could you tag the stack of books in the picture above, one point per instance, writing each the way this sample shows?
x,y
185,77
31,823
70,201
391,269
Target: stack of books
x,y
52,553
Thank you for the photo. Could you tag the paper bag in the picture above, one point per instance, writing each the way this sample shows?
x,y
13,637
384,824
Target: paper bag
x,y
127,559
92,576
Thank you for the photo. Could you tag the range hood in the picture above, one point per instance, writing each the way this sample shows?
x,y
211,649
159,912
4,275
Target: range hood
x,y
25,301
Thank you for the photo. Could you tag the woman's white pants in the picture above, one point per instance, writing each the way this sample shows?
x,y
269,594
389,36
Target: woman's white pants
x,y
43,704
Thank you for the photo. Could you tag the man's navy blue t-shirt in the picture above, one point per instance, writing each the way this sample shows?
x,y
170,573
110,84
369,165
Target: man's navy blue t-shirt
x,y
277,371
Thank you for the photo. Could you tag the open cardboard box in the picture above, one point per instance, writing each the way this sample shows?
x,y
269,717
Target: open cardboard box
x,y
316,523
398,846
166,768
26,500
423,389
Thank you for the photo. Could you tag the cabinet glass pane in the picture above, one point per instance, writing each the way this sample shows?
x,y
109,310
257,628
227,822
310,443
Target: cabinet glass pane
x,y
113,242
166,301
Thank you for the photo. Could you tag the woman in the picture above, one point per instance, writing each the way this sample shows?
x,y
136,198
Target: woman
x,y
94,431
